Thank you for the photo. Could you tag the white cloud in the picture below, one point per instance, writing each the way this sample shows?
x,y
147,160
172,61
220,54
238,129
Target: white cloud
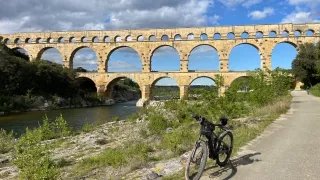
x,y
256,15
244,3
56,15
298,17
250,3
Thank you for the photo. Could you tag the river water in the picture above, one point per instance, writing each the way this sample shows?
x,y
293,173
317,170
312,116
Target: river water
x,y
76,118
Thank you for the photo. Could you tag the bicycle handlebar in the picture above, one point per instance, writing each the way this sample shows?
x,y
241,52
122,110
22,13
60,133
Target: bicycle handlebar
x,y
201,119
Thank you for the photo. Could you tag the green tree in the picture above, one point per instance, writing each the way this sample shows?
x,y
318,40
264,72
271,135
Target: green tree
x,y
304,67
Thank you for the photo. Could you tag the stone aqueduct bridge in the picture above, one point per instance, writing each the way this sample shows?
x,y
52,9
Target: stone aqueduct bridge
x,y
145,41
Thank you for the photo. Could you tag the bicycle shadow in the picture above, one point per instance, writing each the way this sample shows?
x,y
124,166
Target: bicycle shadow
x,y
241,161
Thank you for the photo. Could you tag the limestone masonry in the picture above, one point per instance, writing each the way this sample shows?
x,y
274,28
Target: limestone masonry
x,y
145,41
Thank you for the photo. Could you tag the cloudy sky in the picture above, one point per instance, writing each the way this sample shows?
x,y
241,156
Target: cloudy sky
x,y
52,15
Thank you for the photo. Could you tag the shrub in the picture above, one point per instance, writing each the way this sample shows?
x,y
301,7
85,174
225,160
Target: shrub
x,y
157,123
56,129
6,141
315,90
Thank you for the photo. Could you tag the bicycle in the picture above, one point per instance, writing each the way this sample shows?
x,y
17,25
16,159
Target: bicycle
x,y
219,147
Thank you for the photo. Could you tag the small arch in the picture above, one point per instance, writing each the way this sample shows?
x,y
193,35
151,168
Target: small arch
x,y
86,86
140,38
72,40
61,40
244,35
241,84
297,33
152,38
50,40
28,41
217,36
121,83
177,37
273,34
230,35
84,39
165,38
106,39
129,38
285,33
7,41
190,36
164,88
95,39
259,34
17,41
204,36
117,39
38,40
310,32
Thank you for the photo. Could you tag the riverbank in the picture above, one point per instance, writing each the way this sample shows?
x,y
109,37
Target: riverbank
x,y
131,150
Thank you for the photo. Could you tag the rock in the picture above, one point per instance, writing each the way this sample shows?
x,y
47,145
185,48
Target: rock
x,y
109,102
156,104
153,175
169,130
46,105
169,167
141,103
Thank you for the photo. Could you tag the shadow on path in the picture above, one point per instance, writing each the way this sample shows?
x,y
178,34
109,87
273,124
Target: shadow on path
x,y
241,161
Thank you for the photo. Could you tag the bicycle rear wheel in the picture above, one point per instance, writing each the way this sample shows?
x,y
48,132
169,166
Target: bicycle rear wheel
x,y
197,161
225,146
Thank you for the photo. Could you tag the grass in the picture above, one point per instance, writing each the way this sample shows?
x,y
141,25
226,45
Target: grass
x,y
6,141
315,90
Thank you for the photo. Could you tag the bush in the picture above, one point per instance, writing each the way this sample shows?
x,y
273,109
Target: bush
x,y
315,90
6,141
56,129
157,123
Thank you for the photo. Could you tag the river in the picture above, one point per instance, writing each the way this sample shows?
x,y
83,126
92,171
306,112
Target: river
x,y
76,118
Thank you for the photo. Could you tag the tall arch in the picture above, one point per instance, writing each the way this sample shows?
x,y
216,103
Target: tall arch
x,y
84,57
117,84
50,54
163,88
204,57
283,54
244,57
165,58
123,59
201,83
86,86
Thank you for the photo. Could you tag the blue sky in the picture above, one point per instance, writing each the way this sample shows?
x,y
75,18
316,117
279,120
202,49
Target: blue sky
x,y
135,14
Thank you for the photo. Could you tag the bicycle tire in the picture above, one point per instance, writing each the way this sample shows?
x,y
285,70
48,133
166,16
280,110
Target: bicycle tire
x,y
221,146
203,161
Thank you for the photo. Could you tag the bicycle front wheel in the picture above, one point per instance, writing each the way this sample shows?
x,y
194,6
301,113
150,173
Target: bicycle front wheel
x,y
225,146
197,161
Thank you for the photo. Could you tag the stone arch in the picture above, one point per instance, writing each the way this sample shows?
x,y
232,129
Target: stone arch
x,y
162,46
177,37
230,35
28,41
310,32
129,38
285,33
196,78
190,36
297,33
217,36
245,35
17,41
61,40
117,38
204,36
50,40
106,39
284,57
86,84
242,82
152,38
259,34
155,81
43,50
117,48
74,52
140,38
6,41
272,34
197,46
72,40
22,53
111,84
39,40
84,39
95,39
164,37
244,45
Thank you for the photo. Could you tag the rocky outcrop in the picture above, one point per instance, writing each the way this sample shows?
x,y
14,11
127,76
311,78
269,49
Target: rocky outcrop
x,y
123,95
